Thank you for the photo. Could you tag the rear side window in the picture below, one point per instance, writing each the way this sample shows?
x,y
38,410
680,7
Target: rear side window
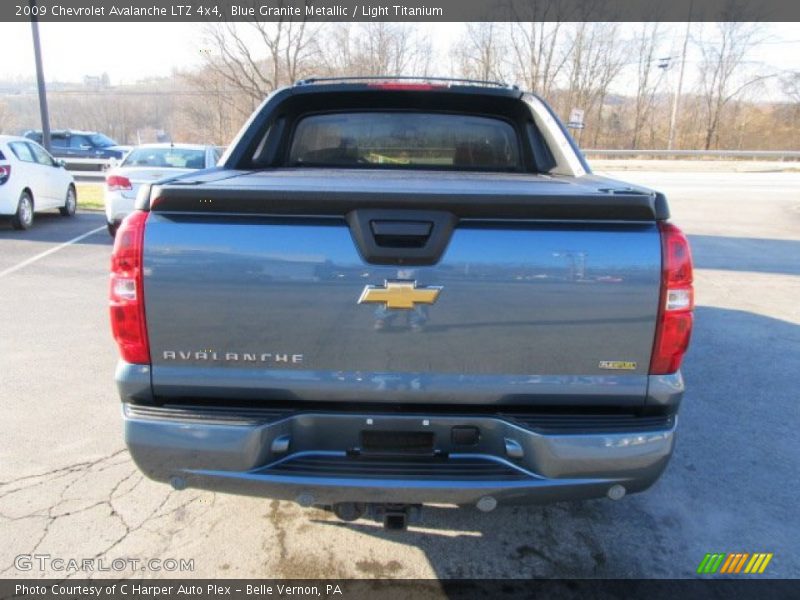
x,y
405,140
22,151
2,156
179,158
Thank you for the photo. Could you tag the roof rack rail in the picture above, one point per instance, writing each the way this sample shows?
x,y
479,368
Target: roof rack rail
x,y
389,78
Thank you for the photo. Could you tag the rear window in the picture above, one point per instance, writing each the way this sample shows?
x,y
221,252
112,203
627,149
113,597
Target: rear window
x,y
101,141
179,158
405,140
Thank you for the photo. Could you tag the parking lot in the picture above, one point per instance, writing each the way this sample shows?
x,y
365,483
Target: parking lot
x,y
69,489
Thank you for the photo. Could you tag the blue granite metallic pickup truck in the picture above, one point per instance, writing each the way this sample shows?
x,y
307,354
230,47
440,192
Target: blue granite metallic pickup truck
x,y
395,292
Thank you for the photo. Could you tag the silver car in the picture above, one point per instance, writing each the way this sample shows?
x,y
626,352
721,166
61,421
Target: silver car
x,y
148,163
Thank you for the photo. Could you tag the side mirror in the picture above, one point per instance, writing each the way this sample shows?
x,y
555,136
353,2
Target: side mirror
x,y
60,162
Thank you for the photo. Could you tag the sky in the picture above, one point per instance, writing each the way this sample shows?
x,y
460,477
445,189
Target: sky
x,y
129,52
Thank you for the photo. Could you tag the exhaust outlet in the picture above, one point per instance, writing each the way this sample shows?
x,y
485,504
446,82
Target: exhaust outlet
x,y
616,492
349,511
487,504
305,500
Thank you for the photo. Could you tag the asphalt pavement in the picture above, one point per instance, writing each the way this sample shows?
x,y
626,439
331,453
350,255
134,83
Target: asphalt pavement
x,y
69,490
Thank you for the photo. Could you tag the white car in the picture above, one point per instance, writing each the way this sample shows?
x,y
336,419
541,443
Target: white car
x,y
148,163
32,180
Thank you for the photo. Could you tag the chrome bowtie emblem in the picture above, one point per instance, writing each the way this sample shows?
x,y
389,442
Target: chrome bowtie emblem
x,y
400,294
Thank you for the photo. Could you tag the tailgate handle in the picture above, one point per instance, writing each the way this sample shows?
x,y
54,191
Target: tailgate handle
x,y
401,234
386,236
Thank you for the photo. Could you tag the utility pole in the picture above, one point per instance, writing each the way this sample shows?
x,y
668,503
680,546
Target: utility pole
x,y
37,51
676,100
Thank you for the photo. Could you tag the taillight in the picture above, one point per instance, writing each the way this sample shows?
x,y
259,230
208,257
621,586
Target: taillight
x,y
674,326
126,295
118,183
5,173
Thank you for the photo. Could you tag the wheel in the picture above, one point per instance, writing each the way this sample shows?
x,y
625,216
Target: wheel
x,y
112,229
70,204
23,218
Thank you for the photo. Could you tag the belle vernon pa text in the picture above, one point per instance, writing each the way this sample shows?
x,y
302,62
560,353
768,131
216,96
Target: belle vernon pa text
x,y
148,590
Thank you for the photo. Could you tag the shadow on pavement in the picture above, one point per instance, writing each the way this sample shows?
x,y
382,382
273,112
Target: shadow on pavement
x,y
746,254
52,228
730,487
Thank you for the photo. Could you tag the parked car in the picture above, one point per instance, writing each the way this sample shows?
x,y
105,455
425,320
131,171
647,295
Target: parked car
x,y
392,293
32,180
82,146
148,163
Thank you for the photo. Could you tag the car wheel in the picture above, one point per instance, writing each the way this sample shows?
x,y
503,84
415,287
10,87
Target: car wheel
x,y
23,218
112,229
70,204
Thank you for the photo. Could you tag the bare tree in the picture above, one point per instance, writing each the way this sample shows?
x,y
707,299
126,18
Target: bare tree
x,y
213,114
376,49
392,48
257,57
538,55
723,70
220,95
538,48
339,50
480,52
791,86
646,44
790,83
594,63
5,117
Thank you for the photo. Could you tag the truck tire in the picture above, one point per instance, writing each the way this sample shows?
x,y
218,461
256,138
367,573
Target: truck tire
x,y
70,203
23,218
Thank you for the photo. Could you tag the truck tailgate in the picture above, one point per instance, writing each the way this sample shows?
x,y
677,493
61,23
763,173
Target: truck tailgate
x,y
529,312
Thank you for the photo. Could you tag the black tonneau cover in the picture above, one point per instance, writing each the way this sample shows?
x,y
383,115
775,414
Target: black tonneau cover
x,y
336,192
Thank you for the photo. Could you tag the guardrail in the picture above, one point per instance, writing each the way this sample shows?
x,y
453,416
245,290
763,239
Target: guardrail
x,y
80,164
81,167
736,154
87,168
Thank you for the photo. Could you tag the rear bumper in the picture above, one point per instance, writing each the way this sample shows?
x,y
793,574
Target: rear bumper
x,y
9,199
117,206
243,453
